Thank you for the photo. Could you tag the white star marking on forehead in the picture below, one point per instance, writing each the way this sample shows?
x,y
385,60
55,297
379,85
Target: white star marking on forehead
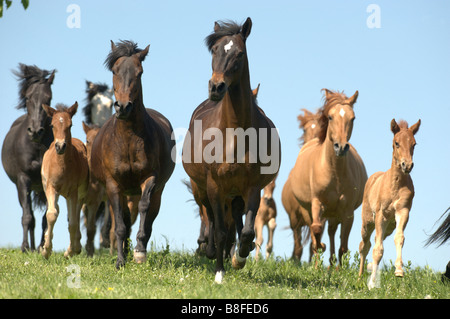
x,y
228,46
61,120
342,112
313,125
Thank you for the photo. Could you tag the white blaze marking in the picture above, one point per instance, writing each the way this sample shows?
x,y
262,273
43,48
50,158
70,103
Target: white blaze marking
x,y
228,46
342,112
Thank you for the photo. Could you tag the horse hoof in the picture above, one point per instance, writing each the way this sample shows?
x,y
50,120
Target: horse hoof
x,y
140,257
219,277
238,262
46,253
398,273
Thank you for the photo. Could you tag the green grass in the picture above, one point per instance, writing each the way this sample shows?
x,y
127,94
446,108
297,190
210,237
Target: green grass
x,y
175,275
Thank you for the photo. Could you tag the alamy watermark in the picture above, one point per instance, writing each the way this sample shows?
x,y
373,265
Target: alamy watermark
x,y
74,279
374,19
73,21
240,146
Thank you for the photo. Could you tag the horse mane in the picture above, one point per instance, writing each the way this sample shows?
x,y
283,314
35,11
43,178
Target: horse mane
x,y
303,119
27,75
91,91
402,124
226,28
61,107
334,98
122,48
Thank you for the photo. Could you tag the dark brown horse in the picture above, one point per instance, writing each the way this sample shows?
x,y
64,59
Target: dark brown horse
x,y
131,154
227,173
26,142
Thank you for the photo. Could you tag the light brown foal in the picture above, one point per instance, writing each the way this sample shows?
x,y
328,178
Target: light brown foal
x,y
64,172
267,213
388,199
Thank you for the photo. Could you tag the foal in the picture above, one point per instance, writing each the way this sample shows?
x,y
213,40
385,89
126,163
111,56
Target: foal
x,y
64,172
267,213
388,199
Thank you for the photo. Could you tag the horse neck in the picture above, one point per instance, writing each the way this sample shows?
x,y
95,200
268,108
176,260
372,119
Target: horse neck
x,y
397,177
237,104
336,165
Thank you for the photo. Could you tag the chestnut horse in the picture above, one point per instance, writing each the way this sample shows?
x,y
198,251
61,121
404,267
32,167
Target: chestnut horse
x,y
25,144
388,199
64,172
267,213
223,183
328,177
309,123
131,154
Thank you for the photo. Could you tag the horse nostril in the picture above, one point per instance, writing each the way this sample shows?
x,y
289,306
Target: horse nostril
x,y
347,146
221,87
40,131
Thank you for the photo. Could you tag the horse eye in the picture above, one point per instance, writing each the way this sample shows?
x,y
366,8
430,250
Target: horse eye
x,y
397,145
330,118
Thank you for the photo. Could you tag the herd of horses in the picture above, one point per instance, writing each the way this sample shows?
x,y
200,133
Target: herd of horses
x,y
122,169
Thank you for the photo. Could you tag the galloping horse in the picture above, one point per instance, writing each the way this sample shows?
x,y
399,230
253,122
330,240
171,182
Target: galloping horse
x,y
267,213
64,172
229,181
328,177
131,154
309,123
26,142
388,199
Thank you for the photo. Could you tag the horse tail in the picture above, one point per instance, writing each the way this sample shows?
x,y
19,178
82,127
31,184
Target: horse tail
x,y
39,200
306,235
442,234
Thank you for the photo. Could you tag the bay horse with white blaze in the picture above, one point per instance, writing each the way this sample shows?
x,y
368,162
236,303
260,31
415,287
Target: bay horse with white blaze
x,y
388,199
25,144
64,172
226,184
328,177
131,154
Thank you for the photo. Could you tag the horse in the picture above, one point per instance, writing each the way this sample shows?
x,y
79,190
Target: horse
x,y
64,172
131,154
99,103
309,123
266,215
96,196
328,177
25,144
202,240
388,198
232,177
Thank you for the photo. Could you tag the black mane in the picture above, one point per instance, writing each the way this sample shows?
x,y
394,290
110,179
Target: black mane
x,y
123,48
27,75
226,28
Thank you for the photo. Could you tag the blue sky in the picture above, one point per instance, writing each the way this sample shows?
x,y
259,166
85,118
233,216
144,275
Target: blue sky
x,y
295,49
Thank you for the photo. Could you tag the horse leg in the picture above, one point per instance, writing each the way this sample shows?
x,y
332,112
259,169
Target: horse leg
x,y
401,219
346,227
259,225
271,225
120,230
28,221
298,246
248,232
332,227
380,228
316,225
93,203
51,215
366,231
146,217
73,214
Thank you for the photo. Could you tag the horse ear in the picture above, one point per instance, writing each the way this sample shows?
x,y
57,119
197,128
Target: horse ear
x,y
73,109
113,46
394,127
48,109
328,93
141,55
86,128
216,27
246,28
51,78
255,91
415,127
353,99
89,84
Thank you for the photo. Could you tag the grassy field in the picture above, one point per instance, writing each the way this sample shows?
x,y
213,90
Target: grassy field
x,y
178,275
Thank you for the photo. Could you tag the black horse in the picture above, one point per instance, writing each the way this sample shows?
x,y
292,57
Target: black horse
x,y
440,236
26,142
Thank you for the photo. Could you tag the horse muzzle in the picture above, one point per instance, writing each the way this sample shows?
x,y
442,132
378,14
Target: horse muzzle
x,y
217,90
340,149
123,111
60,147
406,167
35,135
